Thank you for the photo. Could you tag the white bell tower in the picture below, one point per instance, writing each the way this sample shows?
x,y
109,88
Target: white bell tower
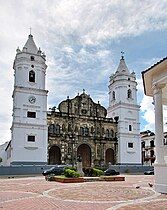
x,y
123,104
29,126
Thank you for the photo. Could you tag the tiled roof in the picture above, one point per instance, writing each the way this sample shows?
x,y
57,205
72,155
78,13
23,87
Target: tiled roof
x,y
154,65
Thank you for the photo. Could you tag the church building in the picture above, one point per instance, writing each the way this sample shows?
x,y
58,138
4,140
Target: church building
x,y
80,127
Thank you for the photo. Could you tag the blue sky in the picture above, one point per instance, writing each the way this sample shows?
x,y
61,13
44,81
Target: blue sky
x,y
82,41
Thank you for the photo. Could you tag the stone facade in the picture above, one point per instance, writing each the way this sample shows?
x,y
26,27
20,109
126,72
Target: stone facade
x,y
80,127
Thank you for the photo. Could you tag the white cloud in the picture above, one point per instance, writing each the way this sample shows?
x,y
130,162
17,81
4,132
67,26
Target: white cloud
x,y
148,112
73,34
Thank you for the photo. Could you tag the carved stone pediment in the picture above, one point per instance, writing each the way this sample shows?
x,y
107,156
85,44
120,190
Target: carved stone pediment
x,y
82,105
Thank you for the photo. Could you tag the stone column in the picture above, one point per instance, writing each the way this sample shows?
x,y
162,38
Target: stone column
x,y
158,123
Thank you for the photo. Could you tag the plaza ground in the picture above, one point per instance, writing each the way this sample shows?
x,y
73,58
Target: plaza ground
x,y
37,193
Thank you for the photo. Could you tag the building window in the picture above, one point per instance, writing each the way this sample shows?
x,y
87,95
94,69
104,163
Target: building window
x,y
111,134
31,76
57,129
151,153
165,141
143,144
31,138
130,127
51,129
31,114
152,143
81,131
129,93
86,131
69,128
32,58
113,95
107,133
130,145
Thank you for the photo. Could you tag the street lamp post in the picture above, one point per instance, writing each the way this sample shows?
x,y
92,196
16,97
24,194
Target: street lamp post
x,y
72,143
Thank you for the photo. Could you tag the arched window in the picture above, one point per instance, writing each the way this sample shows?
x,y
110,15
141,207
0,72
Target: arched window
x,y
51,129
107,133
76,129
129,93
63,128
32,58
111,134
69,128
152,143
143,144
31,76
81,131
86,131
97,131
113,95
57,129
130,127
92,130
151,153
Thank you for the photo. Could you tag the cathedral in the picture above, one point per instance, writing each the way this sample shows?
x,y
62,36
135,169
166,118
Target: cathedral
x,y
79,126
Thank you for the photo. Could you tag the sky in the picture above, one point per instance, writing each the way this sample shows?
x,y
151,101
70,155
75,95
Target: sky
x,y
83,41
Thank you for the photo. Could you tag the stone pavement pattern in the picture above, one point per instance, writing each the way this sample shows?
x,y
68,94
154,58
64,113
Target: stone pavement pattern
x,y
36,193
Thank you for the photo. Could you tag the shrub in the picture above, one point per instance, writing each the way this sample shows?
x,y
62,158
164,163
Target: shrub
x,y
0,159
93,172
101,168
71,168
97,172
71,173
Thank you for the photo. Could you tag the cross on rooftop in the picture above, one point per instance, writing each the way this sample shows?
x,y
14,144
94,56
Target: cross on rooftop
x,y
122,53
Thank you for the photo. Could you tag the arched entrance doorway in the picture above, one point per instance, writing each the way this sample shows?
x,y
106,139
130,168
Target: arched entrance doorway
x,y
54,155
85,151
110,156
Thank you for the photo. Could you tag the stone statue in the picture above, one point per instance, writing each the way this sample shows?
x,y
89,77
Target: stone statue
x,y
79,165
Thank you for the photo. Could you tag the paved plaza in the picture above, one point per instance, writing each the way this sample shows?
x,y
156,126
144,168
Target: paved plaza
x,y
37,193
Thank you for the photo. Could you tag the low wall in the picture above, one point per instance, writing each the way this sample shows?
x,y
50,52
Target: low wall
x,y
37,169
131,168
23,170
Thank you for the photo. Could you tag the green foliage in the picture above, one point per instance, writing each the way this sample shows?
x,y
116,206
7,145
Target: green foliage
x,y
97,172
101,168
92,172
0,159
71,168
71,173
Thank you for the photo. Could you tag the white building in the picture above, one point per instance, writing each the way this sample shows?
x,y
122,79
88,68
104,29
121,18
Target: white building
x,y
3,153
123,106
148,147
155,85
29,127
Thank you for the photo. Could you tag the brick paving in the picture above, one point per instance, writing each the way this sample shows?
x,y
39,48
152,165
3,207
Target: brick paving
x,y
37,193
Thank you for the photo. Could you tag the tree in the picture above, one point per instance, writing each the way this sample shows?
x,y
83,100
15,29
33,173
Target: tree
x,y
0,159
